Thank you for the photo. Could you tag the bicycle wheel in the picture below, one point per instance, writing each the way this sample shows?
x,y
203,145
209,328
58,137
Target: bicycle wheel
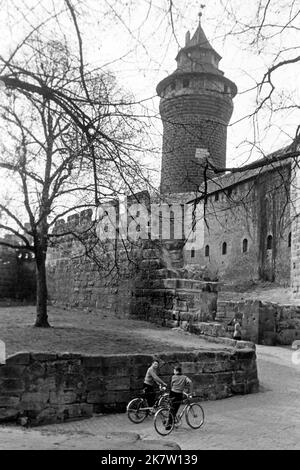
x,y
194,415
163,421
137,410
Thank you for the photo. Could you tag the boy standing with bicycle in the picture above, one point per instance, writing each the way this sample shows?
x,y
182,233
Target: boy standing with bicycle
x,y
179,383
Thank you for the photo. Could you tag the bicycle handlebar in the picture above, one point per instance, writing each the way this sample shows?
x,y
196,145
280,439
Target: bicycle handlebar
x,y
162,387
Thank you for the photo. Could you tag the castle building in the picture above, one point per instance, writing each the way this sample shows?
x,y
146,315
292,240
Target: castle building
x,y
195,107
245,230
247,233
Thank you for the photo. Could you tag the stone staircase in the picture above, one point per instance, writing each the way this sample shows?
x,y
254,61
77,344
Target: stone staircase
x,y
168,293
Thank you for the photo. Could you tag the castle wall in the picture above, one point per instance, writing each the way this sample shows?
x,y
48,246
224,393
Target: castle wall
x,y
145,278
139,278
103,281
251,210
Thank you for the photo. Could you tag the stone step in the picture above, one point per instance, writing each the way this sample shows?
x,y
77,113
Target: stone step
x,y
190,284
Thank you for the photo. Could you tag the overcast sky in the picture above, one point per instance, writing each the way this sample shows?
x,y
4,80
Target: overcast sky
x,y
136,40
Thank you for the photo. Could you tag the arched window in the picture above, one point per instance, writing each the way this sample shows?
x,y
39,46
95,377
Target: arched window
x,y
207,250
269,242
193,253
290,240
245,245
224,248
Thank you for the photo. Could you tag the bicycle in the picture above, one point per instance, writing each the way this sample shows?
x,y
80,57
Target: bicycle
x,y
138,408
164,421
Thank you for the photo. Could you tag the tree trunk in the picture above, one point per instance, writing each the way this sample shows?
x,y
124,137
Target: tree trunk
x,y
41,290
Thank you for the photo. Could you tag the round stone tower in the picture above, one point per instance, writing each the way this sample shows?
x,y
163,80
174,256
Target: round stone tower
x,y
195,107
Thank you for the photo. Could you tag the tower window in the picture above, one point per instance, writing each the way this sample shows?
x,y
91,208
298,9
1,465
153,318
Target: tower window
x,y
269,242
206,252
290,240
224,248
193,253
245,245
160,221
216,196
172,219
185,83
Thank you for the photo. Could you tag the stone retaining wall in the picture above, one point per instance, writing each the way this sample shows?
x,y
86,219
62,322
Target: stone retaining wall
x,y
44,387
262,322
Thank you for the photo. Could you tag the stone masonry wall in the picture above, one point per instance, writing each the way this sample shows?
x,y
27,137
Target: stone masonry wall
x,y
103,279
145,279
250,210
262,322
47,388
192,121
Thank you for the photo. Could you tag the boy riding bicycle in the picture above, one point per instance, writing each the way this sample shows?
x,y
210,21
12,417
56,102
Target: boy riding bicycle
x,y
179,383
150,380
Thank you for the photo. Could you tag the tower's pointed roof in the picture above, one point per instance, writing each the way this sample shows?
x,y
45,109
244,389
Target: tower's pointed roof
x,y
198,39
199,52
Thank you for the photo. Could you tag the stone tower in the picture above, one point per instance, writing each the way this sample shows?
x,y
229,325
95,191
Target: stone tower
x,y
195,107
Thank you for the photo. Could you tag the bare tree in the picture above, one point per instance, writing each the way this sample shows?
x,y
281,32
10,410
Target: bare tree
x,y
70,144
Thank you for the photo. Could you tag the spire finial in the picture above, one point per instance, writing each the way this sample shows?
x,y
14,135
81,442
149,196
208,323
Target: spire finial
x,y
202,6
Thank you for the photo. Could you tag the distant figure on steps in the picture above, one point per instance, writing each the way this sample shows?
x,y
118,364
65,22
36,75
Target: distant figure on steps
x,y
237,334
